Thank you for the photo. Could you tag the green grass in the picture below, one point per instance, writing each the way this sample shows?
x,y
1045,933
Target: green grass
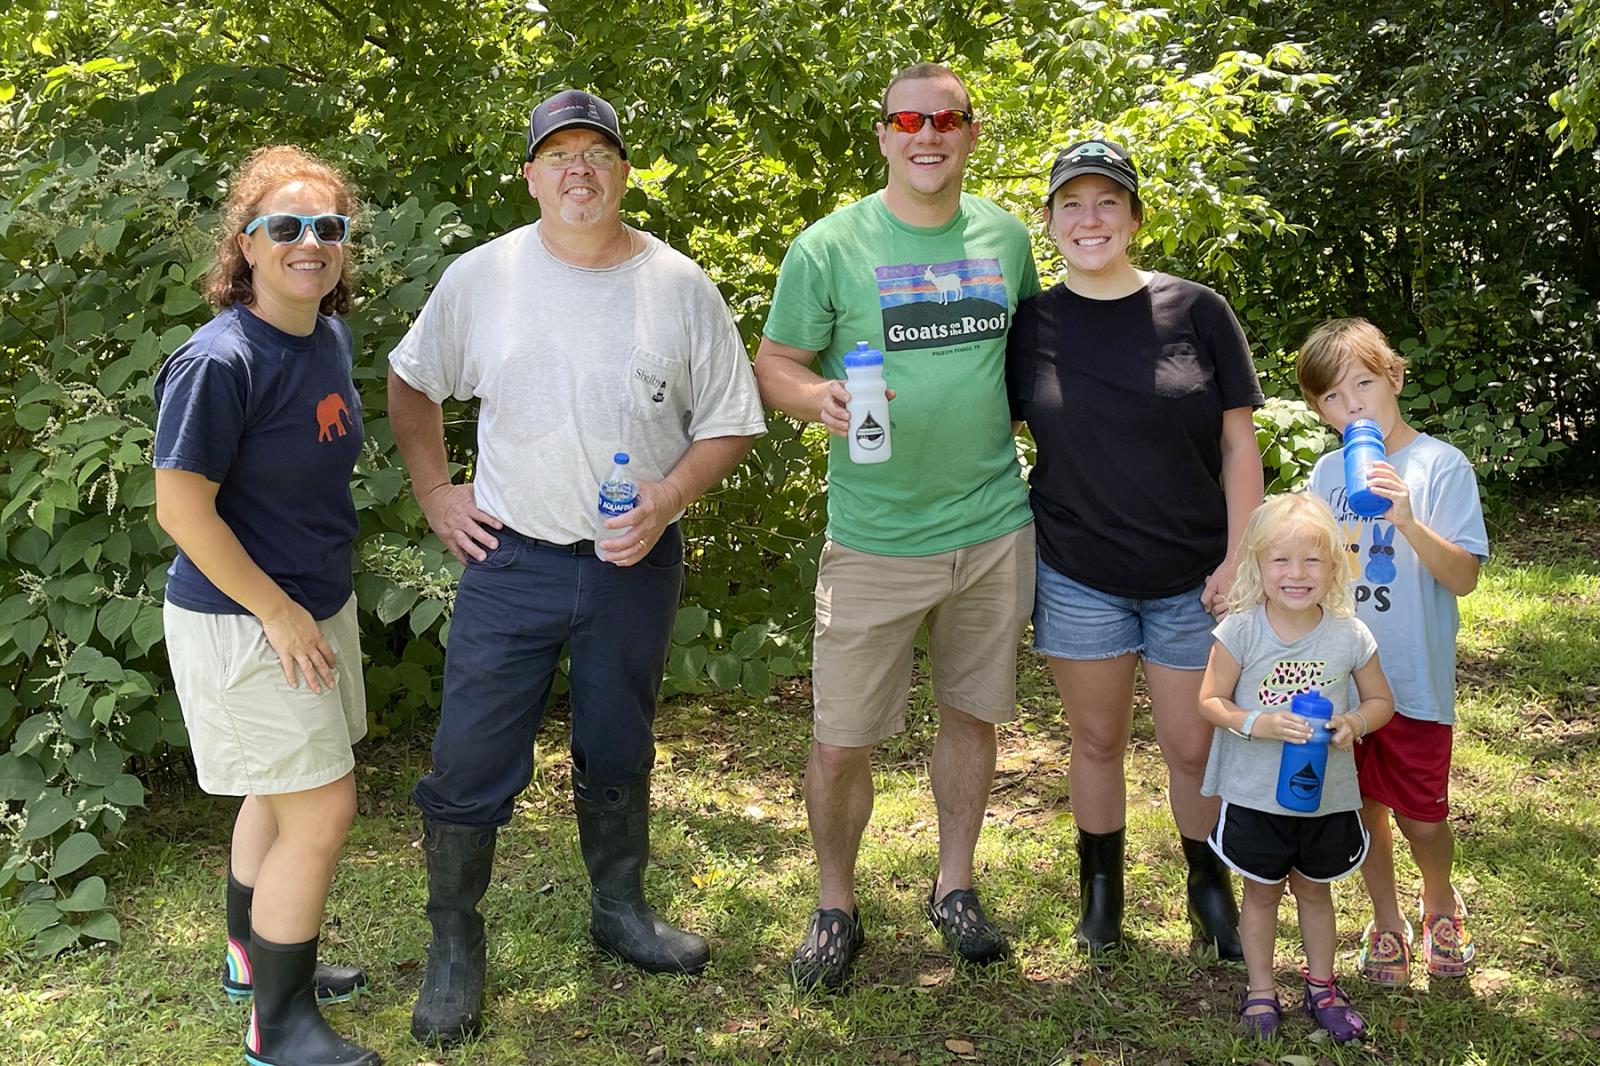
x,y
732,861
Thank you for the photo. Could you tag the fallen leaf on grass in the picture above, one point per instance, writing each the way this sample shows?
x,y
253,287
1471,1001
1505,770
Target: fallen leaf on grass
x,y
1296,1060
960,1047
928,980
580,1033
1398,1024
1490,980
656,1054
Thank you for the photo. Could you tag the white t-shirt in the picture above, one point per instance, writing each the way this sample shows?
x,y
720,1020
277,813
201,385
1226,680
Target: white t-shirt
x,y
1413,616
571,365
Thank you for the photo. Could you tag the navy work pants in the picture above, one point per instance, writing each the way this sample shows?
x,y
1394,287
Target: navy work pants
x,y
514,612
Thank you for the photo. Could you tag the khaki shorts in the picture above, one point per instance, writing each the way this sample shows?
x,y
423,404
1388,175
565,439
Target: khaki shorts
x,y
250,733
975,601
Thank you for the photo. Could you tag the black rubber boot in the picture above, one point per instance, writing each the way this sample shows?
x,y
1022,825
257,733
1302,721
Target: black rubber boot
x,y
334,984
614,829
1213,910
450,1006
286,1029
1100,891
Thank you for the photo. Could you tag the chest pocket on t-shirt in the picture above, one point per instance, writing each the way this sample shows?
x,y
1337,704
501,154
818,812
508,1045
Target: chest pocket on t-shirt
x,y
1178,372
655,385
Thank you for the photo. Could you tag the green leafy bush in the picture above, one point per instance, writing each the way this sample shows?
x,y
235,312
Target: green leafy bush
x,y
1291,438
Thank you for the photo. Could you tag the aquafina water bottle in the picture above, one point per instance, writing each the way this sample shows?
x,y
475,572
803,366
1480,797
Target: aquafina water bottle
x,y
618,495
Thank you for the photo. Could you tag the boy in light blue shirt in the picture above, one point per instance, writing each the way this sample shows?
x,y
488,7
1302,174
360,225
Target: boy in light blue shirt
x,y
1411,563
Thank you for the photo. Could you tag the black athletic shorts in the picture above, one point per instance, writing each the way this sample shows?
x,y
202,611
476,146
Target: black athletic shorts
x,y
1265,847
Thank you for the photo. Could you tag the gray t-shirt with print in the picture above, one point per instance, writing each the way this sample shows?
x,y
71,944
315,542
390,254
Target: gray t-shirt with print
x,y
1274,671
571,365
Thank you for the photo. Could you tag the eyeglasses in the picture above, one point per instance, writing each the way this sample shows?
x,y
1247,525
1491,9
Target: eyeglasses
x,y
600,157
289,229
946,121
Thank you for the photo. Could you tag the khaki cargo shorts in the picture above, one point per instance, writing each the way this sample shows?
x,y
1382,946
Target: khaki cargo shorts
x,y
975,602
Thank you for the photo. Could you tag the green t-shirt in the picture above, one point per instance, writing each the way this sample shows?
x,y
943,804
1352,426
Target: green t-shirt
x,y
937,302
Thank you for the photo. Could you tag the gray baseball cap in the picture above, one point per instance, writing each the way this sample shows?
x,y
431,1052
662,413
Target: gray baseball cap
x,y
573,109
1106,158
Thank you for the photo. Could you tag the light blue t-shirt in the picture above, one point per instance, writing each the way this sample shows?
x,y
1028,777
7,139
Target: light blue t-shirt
x,y
1413,616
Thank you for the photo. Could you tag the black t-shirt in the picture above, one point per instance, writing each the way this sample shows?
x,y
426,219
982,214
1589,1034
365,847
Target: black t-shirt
x,y
1125,399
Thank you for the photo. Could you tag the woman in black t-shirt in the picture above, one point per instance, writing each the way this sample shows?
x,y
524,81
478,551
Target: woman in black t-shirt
x,y
1138,388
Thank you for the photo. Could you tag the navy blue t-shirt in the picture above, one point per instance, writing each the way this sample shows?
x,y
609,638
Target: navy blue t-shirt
x,y
274,419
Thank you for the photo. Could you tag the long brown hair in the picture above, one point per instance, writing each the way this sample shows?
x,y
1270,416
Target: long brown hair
x,y
264,171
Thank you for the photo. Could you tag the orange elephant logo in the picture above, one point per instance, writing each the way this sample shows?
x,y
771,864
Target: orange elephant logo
x,y
332,414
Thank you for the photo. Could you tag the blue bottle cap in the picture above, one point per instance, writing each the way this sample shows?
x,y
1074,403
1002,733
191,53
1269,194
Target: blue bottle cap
x,y
864,355
621,458
1311,704
1363,426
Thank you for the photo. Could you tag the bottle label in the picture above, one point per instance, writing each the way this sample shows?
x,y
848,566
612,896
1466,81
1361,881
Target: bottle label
x,y
869,434
610,508
1305,782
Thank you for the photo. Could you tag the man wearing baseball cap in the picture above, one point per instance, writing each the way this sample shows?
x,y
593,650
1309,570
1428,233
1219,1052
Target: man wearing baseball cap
x,y
580,337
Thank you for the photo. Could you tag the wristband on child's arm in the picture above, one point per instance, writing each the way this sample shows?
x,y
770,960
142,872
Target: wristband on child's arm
x,y
1365,729
1248,724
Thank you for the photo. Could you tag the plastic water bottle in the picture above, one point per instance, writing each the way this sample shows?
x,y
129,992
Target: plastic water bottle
x,y
618,495
868,406
1363,446
1302,767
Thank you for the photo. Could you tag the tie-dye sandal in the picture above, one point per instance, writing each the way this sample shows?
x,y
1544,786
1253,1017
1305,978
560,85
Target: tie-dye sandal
x,y
1447,947
1386,956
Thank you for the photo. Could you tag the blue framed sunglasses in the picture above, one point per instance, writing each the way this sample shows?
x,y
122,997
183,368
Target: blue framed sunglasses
x,y
289,229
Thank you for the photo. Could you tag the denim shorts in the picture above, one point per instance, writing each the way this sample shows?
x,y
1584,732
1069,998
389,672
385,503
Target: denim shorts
x,y
1073,621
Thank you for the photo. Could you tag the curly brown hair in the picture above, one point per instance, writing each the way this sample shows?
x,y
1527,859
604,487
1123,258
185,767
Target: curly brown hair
x,y
265,170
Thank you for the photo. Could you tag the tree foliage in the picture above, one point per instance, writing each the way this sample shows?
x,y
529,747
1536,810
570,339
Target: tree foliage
x,y
1301,166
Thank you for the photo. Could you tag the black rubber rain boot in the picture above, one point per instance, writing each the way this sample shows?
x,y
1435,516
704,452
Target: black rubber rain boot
x,y
614,830
450,1006
1213,910
334,984
286,1029
1100,891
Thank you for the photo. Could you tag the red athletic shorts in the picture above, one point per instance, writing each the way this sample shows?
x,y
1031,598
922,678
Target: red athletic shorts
x,y
1406,767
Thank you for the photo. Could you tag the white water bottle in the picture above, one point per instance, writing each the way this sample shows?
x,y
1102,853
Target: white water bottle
x,y
868,406
618,495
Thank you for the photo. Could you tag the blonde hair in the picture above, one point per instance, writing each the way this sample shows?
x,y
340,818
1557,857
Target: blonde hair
x,y
1334,346
263,172
1277,517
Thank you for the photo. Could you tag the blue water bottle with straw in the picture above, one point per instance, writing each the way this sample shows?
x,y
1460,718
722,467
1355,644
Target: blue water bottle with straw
x,y
1303,766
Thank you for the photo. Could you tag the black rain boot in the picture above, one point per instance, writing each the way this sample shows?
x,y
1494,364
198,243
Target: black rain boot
x,y
450,1006
286,1029
334,984
1213,910
614,830
1100,891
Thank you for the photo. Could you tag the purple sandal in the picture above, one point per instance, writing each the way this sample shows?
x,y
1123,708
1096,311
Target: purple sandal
x,y
1330,1008
1264,1024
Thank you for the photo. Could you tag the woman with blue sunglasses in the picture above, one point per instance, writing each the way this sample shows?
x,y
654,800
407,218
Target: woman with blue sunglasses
x,y
258,431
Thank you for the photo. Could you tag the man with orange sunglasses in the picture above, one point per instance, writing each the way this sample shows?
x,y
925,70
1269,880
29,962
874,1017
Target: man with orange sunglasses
x,y
940,534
